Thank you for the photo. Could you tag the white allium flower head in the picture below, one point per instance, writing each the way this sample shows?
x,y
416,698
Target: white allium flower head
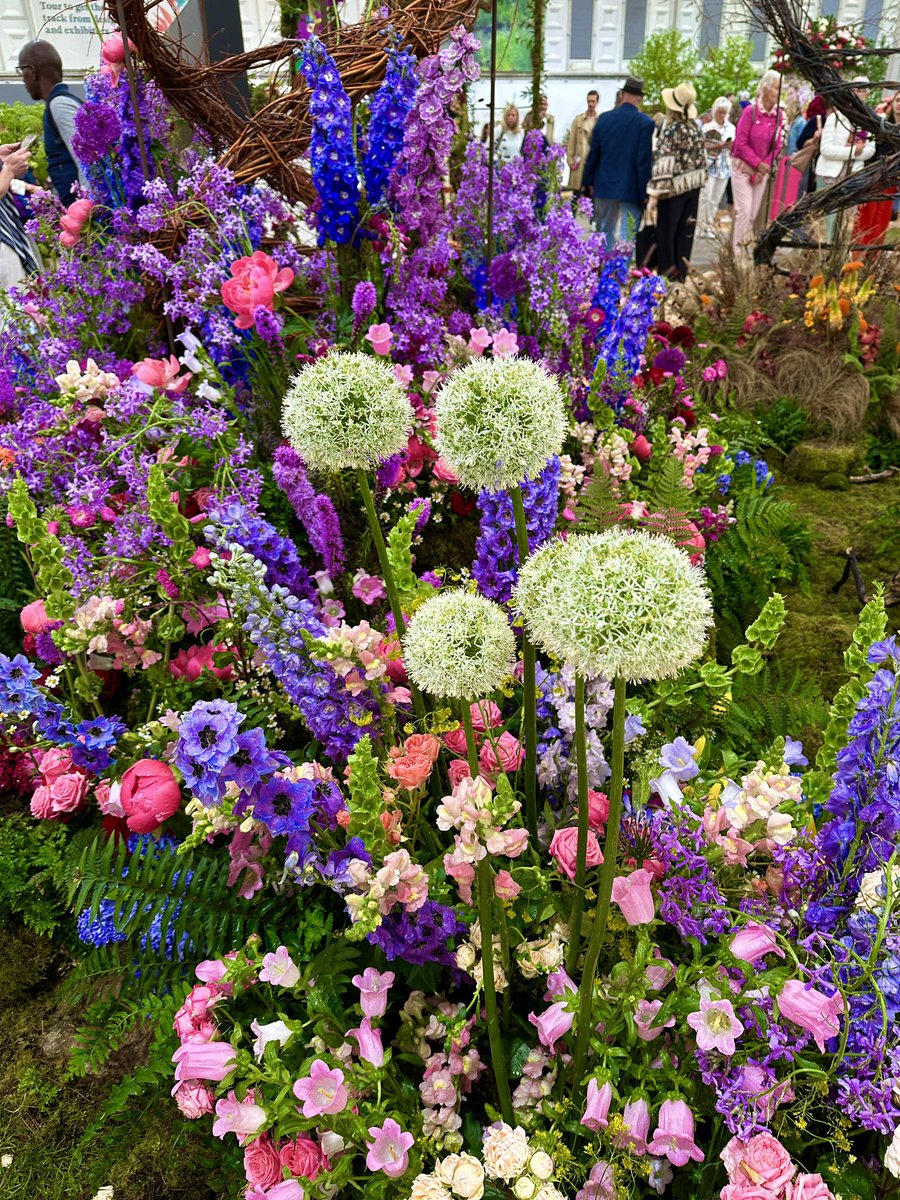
x,y
622,603
346,410
459,644
498,421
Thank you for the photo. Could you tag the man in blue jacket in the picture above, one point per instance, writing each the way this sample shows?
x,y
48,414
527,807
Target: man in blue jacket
x,y
618,165
41,69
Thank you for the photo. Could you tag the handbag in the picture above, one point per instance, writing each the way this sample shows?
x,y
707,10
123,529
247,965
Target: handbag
x,y
801,160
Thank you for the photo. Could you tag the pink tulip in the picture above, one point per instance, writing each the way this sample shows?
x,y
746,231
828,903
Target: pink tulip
x,y
636,1122
754,941
596,1109
633,896
380,337
811,1010
673,1137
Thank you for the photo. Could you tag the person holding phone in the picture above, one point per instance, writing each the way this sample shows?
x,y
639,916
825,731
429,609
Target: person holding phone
x,y
19,256
42,74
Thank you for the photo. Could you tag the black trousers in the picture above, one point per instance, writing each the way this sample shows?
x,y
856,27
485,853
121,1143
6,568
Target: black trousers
x,y
676,220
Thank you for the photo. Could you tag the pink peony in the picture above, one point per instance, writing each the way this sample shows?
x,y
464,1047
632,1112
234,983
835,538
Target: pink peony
x,y
255,282
423,743
633,896
34,617
505,753
262,1164
150,795
808,1187
811,1010
379,337
303,1157
161,373
441,471
73,221
564,848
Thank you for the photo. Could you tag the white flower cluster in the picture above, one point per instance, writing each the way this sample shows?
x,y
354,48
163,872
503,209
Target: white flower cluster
x,y
509,1156
620,603
873,889
346,410
545,954
892,1155
459,644
469,958
498,421
87,385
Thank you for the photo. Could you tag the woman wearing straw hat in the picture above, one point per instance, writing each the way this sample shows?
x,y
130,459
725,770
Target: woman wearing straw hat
x,y
679,172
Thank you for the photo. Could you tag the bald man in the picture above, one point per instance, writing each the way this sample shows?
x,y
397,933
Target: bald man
x,y
41,69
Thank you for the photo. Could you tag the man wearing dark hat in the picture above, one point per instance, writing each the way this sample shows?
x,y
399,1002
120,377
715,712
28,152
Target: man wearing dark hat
x,y
618,165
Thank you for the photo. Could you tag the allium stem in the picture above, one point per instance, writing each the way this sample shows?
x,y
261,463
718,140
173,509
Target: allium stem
x,y
471,745
486,920
387,572
583,813
529,660
607,875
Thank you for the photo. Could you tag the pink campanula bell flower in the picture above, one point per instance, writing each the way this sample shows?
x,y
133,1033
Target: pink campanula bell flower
x,y
270,1031
599,1098
244,1118
633,896
380,337
479,340
323,1091
389,1151
753,942
636,1127
644,1015
279,969
558,983
288,1189
673,1137
204,1060
716,1026
505,344
812,1010
373,991
368,1038
553,1024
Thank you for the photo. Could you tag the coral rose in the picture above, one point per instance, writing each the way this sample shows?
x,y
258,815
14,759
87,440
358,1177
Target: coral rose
x,y
411,771
150,795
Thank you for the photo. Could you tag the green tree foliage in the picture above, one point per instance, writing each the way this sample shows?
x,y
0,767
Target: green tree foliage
x,y
726,68
667,58
17,120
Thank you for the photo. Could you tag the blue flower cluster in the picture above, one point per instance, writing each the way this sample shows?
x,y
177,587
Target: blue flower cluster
x,y
496,552
608,295
764,477
623,344
388,111
234,522
331,147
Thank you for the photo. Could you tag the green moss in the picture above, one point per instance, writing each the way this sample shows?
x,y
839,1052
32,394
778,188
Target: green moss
x,y
811,462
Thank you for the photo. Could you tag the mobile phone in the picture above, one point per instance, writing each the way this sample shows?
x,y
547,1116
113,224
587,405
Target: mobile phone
x,y
28,141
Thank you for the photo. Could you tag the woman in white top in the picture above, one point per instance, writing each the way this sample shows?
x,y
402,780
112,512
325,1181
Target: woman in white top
x,y
718,135
508,135
843,150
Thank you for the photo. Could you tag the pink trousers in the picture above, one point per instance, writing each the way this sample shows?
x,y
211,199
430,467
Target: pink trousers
x,y
747,200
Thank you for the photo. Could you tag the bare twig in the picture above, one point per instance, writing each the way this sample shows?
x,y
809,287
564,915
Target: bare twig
x,y
875,476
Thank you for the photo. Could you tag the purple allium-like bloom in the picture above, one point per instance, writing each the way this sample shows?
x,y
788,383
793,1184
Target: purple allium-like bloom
x,y
98,129
670,359
504,279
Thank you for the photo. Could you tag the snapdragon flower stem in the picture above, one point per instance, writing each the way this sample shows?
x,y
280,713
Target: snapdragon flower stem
x,y
389,582
486,920
604,890
529,662
583,813
471,746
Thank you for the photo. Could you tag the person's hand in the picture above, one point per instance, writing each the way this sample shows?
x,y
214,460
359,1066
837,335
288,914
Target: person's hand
x,y
652,204
8,148
16,164
858,149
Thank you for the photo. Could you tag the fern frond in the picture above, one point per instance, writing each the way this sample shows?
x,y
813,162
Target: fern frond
x,y
598,508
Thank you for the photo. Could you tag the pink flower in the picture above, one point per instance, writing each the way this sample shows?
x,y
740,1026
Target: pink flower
x,y
262,1166
641,448
161,373
485,715
505,887
279,969
368,1039
212,970
673,1137
458,770
553,1024
303,1157
709,375
389,1150
403,373
191,663
150,795
441,471
808,1187
63,795
34,617
636,1122
244,1118
254,284
811,1010
564,848
461,869
288,1189
479,340
323,1091
762,1160
411,771
633,896
659,973
425,744
455,741
55,762
597,1105
368,588
716,1026
194,1099
505,753
380,338
598,810
210,1060
505,344
754,941
373,991
73,221
746,1191
644,1015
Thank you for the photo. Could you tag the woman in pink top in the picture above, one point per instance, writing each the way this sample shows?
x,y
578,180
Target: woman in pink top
x,y
757,144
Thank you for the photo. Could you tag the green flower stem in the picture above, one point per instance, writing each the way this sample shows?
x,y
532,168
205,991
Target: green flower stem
x,y
486,919
604,890
529,660
583,813
471,746
389,583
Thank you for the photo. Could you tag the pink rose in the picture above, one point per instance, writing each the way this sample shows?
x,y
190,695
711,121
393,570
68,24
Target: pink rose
x,y
507,749
564,848
455,741
598,810
303,1157
262,1164
641,448
41,804
411,771
761,1160
485,715
808,1187
425,744
56,762
34,617
67,792
161,373
746,1191
73,221
458,770
254,284
441,471
150,795
194,1099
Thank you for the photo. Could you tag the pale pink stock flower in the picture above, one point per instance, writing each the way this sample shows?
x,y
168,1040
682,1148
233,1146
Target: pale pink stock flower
x,y
380,337
244,1118
389,1151
373,991
323,1091
598,1100
633,896
279,969
811,1010
716,1025
674,1134
754,941
368,1039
